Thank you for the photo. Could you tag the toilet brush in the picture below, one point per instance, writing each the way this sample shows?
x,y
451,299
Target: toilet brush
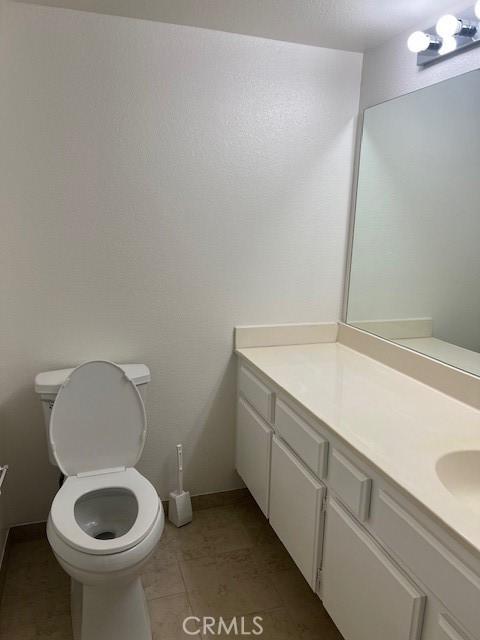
x,y
180,505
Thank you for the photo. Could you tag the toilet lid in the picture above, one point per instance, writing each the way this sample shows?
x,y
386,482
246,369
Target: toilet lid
x,y
98,420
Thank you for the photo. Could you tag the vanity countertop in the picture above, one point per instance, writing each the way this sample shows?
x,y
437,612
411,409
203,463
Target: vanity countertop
x,y
400,425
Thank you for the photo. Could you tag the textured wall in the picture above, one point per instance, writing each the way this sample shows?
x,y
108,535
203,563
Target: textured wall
x,y
3,451
390,70
161,184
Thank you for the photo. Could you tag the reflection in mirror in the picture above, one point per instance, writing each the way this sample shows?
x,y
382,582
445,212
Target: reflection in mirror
x,y
415,271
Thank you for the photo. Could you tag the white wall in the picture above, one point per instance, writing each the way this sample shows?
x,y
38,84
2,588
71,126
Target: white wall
x,y
161,184
390,70
3,451
417,227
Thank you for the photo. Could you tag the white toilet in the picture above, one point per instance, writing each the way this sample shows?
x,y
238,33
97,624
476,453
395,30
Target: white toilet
x,y
106,519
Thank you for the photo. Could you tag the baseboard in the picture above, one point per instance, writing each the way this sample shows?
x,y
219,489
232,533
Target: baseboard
x,y
38,530
217,499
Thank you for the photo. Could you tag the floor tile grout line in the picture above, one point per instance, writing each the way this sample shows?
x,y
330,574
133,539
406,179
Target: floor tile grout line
x,y
167,595
179,567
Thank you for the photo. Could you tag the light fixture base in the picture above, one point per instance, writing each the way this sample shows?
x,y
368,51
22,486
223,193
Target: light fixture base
x,y
469,37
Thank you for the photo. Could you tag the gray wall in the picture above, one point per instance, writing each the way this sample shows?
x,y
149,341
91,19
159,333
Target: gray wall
x,y
3,448
160,184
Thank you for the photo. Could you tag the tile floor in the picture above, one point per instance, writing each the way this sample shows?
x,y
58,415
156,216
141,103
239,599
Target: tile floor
x,y
227,562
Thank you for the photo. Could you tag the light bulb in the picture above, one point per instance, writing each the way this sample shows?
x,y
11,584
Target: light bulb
x,y
449,44
477,9
448,26
419,41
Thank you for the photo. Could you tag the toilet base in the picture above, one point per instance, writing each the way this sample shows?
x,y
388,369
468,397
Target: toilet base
x,y
110,612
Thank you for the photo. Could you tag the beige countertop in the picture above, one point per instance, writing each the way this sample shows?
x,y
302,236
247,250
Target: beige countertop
x,y
399,424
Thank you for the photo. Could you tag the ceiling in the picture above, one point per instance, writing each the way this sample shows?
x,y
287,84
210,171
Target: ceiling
x,y
354,25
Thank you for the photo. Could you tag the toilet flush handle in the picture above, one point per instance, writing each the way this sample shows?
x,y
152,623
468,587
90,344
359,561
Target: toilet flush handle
x,y
3,473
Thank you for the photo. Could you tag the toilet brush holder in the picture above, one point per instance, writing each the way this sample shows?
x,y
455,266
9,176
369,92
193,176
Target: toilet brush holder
x,y
180,504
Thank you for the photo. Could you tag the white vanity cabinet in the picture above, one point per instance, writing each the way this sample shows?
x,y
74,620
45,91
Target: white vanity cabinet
x,y
253,452
307,444
365,593
447,630
384,568
449,578
283,471
296,510
256,392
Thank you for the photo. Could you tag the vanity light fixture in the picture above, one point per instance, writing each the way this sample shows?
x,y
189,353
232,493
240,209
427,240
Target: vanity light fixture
x,y
449,44
449,26
421,41
451,34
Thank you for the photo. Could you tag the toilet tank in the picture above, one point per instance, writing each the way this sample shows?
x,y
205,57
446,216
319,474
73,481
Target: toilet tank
x,y
48,383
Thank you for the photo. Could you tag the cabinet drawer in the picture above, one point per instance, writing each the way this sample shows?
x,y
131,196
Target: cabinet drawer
x,y
296,514
454,583
351,485
307,444
258,394
252,453
365,593
446,631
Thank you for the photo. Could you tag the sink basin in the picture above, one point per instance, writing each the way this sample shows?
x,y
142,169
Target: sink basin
x,y
459,472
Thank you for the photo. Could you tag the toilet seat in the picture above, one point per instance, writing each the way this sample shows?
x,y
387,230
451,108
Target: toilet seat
x,y
97,432
98,420
63,519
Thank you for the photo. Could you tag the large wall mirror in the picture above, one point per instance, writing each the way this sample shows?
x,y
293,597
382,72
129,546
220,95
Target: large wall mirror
x,y
415,267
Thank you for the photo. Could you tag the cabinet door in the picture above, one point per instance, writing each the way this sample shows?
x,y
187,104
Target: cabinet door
x,y
447,630
252,453
296,499
365,593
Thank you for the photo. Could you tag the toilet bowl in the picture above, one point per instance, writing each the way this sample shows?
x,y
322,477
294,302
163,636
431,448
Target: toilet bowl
x,y
106,519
